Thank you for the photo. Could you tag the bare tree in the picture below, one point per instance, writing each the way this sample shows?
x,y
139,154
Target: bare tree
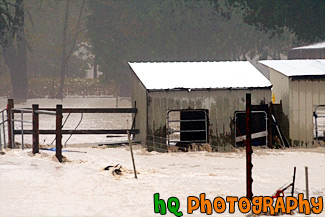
x,y
13,43
66,54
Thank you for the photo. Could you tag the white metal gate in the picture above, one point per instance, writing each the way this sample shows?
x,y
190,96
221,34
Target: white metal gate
x,y
175,130
319,120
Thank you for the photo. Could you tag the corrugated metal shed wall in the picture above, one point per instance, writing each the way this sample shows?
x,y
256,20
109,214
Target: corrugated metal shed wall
x,y
221,105
299,99
305,95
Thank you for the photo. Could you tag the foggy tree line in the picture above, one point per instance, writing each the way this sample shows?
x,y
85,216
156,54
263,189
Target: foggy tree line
x,y
61,39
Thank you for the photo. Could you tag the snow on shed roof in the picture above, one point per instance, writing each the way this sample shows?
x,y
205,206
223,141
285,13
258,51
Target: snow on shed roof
x,y
319,45
199,75
292,68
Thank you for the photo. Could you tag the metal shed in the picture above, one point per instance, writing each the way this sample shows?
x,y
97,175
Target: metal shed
x,y
193,101
300,85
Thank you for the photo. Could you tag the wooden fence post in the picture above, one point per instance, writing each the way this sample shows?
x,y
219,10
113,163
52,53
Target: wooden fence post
x,y
249,151
59,132
10,115
307,185
130,143
35,129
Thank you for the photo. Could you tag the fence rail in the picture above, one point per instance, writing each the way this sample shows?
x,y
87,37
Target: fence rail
x,y
82,110
99,131
45,112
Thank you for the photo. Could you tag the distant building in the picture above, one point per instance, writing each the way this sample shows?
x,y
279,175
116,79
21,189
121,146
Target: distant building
x,y
314,51
300,85
197,98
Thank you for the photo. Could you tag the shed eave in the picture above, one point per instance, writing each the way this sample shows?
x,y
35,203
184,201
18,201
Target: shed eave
x,y
304,77
208,89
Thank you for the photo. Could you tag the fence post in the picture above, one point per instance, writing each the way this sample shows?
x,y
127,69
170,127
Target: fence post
x,y
0,134
59,132
4,132
293,183
10,115
22,129
35,129
269,125
249,151
307,185
131,150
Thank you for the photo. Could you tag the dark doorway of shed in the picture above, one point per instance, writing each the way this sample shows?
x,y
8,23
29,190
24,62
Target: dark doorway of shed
x,y
190,126
194,126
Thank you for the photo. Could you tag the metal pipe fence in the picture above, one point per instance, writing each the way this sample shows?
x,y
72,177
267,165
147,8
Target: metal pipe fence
x,y
319,117
22,121
2,130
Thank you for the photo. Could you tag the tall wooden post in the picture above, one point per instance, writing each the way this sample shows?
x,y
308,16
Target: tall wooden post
x,y
59,132
307,188
35,129
269,125
249,151
10,115
134,118
130,144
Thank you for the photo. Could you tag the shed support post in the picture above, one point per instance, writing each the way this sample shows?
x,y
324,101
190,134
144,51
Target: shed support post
x,y
35,129
59,132
10,115
269,125
249,151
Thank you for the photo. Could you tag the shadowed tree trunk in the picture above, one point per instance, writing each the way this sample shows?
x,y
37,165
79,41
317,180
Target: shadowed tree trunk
x,y
64,47
16,56
95,67
22,56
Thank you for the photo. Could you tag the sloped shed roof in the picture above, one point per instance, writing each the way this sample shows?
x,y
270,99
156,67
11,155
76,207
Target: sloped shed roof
x,y
199,75
297,68
320,45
